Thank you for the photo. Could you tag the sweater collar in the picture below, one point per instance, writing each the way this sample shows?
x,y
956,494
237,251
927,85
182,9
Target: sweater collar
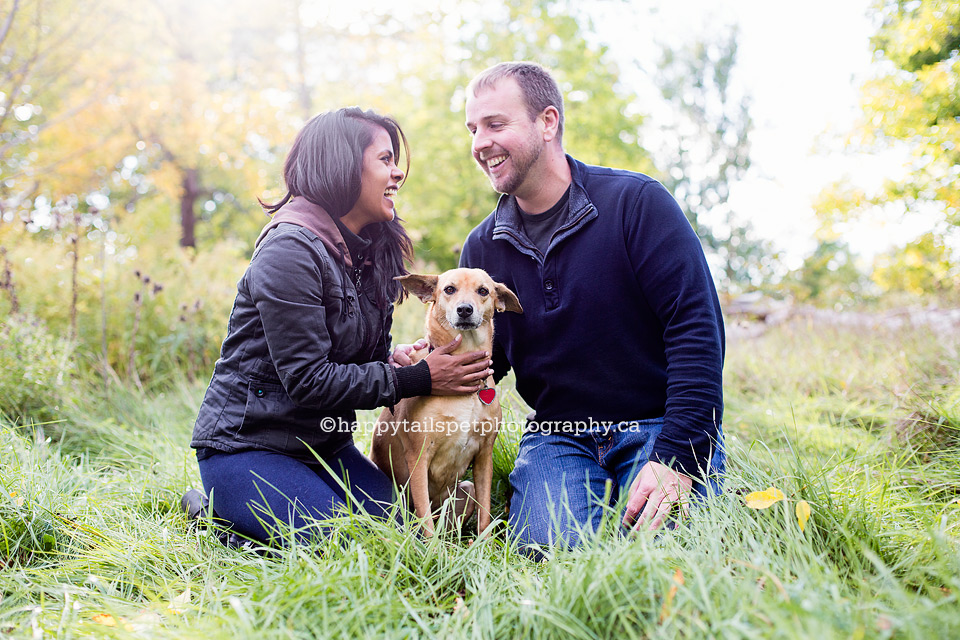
x,y
507,220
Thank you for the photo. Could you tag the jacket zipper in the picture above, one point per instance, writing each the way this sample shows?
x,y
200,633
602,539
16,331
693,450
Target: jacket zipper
x,y
559,234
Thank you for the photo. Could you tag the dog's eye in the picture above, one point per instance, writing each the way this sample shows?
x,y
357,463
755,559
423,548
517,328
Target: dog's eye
x,y
483,291
449,290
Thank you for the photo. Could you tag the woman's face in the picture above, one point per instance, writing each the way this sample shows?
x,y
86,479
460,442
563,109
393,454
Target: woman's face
x,y
378,184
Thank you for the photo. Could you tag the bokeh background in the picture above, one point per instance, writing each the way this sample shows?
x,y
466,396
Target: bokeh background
x,y
812,147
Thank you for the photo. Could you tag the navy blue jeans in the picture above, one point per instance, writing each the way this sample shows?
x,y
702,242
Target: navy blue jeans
x,y
260,493
564,482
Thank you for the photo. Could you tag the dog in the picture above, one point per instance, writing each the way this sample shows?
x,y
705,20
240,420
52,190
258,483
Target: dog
x,y
429,441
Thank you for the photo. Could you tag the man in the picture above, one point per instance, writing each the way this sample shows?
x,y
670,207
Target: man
x,y
620,347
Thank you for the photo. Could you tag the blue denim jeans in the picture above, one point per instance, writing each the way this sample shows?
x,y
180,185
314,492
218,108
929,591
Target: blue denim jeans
x,y
564,482
260,493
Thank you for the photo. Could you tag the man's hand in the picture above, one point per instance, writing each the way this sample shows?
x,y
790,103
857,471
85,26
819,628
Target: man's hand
x,y
401,354
655,491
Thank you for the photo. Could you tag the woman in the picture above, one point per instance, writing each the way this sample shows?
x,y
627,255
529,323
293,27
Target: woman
x,y
308,338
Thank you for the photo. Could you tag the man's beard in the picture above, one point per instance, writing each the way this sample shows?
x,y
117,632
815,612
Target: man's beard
x,y
523,159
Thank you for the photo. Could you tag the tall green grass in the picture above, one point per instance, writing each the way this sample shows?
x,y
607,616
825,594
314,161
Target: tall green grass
x,y
862,426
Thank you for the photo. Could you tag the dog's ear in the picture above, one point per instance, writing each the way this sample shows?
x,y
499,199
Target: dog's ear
x,y
506,299
422,286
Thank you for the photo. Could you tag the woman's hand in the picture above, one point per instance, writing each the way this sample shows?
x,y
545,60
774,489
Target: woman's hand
x,y
401,356
457,374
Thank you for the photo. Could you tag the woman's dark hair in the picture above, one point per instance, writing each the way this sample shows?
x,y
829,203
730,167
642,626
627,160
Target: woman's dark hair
x,y
325,165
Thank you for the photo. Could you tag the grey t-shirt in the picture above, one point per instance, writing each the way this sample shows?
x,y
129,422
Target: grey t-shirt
x,y
540,227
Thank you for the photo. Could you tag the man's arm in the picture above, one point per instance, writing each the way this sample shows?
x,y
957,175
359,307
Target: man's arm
x,y
672,271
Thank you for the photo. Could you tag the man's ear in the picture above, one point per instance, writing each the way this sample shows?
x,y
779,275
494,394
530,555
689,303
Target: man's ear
x,y
551,123
506,299
422,286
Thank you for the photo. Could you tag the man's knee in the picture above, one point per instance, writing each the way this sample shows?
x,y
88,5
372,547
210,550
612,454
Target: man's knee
x,y
541,526
541,518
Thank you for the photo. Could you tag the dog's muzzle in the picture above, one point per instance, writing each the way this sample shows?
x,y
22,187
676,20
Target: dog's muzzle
x,y
467,317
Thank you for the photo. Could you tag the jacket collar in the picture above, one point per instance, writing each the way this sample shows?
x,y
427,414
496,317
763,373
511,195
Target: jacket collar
x,y
507,224
303,213
356,245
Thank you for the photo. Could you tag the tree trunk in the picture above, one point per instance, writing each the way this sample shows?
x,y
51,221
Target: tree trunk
x,y
303,90
188,201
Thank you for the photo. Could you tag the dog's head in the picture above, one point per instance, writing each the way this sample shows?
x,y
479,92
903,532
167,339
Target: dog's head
x,y
467,297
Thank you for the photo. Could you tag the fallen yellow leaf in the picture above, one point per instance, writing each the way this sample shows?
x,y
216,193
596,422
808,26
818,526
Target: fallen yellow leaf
x,y
178,604
671,594
145,623
763,499
803,514
105,619
461,608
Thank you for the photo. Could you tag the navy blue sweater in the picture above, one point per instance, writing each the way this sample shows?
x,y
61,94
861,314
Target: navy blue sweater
x,y
621,318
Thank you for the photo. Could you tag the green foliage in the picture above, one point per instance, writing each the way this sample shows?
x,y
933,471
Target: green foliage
x,y
37,370
917,100
447,194
914,103
199,123
57,136
924,266
90,532
827,277
181,297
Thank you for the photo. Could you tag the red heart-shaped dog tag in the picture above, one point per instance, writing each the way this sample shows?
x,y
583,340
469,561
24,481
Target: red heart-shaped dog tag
x,y
487,395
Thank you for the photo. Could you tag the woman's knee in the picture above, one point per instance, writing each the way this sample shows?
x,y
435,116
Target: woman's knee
x,y
264,495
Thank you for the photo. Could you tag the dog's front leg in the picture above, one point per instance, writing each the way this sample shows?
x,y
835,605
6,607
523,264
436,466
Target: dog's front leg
x,y
483,479
418,461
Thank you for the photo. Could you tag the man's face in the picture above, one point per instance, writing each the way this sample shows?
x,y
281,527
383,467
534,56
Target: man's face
x,y
506,142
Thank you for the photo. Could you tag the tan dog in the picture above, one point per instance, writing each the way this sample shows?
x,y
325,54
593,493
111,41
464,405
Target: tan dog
x,y
429,441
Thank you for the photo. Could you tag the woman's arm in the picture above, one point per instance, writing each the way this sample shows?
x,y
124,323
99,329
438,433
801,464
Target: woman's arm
x,y
285,282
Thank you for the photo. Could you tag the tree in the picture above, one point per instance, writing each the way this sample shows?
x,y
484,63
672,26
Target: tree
x,y
448,193
914,101
917,100
707,147
205,123
828,276
922,266
59,136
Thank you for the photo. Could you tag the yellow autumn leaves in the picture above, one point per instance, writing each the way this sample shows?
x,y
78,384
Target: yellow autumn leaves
x,y
764,499
677,582
803,513
146,621
769,497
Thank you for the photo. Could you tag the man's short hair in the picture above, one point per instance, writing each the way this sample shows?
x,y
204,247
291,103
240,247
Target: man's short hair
x,y
539,88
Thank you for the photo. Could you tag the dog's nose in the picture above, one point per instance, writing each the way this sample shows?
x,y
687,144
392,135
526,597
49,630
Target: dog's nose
x,y
464,310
